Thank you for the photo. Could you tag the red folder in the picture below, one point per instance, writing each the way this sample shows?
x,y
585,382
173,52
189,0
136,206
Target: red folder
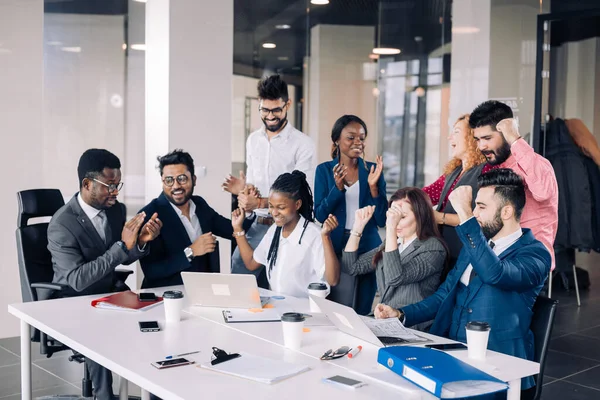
x,y
126,301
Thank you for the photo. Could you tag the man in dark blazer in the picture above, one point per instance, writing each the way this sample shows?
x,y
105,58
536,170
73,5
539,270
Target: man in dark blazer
x,y
187,241
498,275
88,238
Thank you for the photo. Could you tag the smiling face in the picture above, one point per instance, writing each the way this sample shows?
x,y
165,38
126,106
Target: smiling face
x,y
458,139
492,144
98,195
283,208
179,193
352,140
273,113
407,227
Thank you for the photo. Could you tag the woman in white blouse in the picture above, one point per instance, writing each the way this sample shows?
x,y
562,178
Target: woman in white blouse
x,y
295,251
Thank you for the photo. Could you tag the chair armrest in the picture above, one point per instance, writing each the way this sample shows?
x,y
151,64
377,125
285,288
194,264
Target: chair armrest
x,y
47,290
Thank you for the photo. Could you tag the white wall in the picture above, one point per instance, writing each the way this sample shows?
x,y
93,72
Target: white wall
x,y
336,86
21,132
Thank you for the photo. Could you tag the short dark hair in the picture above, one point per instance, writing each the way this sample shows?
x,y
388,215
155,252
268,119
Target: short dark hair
x,y
177,156
92,163
339,126
489,113
508,186
273,88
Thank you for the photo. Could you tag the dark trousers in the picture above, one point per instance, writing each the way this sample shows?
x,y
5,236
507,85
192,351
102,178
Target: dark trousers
x,y
102,380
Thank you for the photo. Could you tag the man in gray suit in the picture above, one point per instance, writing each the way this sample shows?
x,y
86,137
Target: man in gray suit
x,y
88,238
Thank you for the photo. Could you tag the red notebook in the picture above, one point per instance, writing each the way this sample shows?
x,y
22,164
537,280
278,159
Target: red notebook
x,y
125,301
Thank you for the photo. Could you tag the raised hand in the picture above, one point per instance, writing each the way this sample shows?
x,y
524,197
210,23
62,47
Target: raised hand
x,y
249,198
383,311
375,172
129,234
329,225
339,174
237,219
150,230
234,185
205,243
393,216
461,199
510,129
362,217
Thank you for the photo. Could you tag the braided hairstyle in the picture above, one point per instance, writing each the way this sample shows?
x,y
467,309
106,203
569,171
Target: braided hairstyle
x,y
295,187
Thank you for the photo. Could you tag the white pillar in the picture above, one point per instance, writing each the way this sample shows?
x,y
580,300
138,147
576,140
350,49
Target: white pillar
x,y
338,84
189,73
21,131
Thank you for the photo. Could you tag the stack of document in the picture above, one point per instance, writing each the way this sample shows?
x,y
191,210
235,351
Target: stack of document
x,y
259,369
392,327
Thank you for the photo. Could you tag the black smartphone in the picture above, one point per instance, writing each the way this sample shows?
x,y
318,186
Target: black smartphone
x,y
146,296
149,326
447,346
176,362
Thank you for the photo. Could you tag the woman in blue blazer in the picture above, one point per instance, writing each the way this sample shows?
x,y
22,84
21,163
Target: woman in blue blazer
x,y
345,184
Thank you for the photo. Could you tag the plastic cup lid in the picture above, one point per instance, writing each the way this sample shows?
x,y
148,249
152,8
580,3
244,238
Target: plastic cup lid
x,y
478,326
173,294
317,286
292,317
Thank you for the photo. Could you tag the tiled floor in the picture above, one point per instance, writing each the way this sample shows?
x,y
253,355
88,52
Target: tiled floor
x,y
572,370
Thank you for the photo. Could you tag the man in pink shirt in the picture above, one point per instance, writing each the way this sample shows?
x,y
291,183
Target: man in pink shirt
x,y
498,138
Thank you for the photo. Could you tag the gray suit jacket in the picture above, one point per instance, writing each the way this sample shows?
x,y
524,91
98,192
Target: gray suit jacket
x,y
80,257
402,279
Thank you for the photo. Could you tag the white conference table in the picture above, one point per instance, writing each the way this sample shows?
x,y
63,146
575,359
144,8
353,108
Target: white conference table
x,y
113,339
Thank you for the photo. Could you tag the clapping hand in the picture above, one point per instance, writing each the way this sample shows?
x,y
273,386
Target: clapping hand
x,y
375,172
339,174
150,230
234,185
249,198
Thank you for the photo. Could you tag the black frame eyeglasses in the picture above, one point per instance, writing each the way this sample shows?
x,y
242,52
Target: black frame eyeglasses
x,y
182,179
111,186
277,112
339,353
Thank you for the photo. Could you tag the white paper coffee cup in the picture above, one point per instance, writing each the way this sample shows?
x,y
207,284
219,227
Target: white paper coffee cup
x,y
293,329
478,334
318,289
173,302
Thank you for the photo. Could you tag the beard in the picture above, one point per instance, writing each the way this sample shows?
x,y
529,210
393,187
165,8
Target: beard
x,y
491,229
500,155
274,128
187,195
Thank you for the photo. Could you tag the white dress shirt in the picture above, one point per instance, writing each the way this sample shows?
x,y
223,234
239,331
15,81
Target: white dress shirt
x,y
192,225
403,246
499,246
352,201
298,264
92,214
289,150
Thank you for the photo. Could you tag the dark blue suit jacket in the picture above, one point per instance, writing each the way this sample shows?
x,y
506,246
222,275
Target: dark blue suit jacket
x,y
502,293
165,261
330,200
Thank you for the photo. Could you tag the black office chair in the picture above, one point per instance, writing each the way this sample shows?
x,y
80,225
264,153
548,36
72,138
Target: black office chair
x,y
542,322
35,265
345,291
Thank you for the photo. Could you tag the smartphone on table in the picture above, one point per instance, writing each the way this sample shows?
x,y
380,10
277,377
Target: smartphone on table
x,y
176,362
149,326
447,346
344,382
146,297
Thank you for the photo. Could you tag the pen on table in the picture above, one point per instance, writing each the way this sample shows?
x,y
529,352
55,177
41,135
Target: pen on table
x,y
182,354
354,351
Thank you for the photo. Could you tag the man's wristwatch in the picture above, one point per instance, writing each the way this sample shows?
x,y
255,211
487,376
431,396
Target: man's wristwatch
x,y
123,246
189,253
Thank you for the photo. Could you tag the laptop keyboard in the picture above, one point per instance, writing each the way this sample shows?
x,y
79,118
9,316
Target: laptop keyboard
x,y
388,340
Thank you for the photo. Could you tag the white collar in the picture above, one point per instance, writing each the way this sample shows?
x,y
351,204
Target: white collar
x,y
180,213
294,237
506,241
90,211
285,132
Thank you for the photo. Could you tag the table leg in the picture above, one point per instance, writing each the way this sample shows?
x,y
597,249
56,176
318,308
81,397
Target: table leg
x,y
514,390
123,389
25,361
145,395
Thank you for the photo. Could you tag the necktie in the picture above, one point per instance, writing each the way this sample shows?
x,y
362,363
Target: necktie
x,y
102,225
473,273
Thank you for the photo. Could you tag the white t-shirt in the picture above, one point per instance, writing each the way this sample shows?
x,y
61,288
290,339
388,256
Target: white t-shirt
x,y
352,200
298,264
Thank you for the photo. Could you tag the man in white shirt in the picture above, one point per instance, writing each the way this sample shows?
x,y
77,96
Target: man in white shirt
x,y
274,149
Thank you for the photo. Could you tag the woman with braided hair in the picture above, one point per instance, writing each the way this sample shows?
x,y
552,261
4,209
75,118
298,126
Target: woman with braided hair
x,y
295,251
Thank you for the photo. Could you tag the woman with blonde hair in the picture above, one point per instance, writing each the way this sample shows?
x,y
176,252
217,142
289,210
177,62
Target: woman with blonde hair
x,y
463,169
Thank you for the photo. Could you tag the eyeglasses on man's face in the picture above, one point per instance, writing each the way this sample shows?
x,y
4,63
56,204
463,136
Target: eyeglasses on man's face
x,y
181,179
112,186
264,112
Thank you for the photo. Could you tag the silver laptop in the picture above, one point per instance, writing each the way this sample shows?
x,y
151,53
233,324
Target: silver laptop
x,y
222,290
378,332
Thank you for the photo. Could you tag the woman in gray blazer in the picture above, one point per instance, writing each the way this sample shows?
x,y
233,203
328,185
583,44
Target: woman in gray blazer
x,y
409,264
